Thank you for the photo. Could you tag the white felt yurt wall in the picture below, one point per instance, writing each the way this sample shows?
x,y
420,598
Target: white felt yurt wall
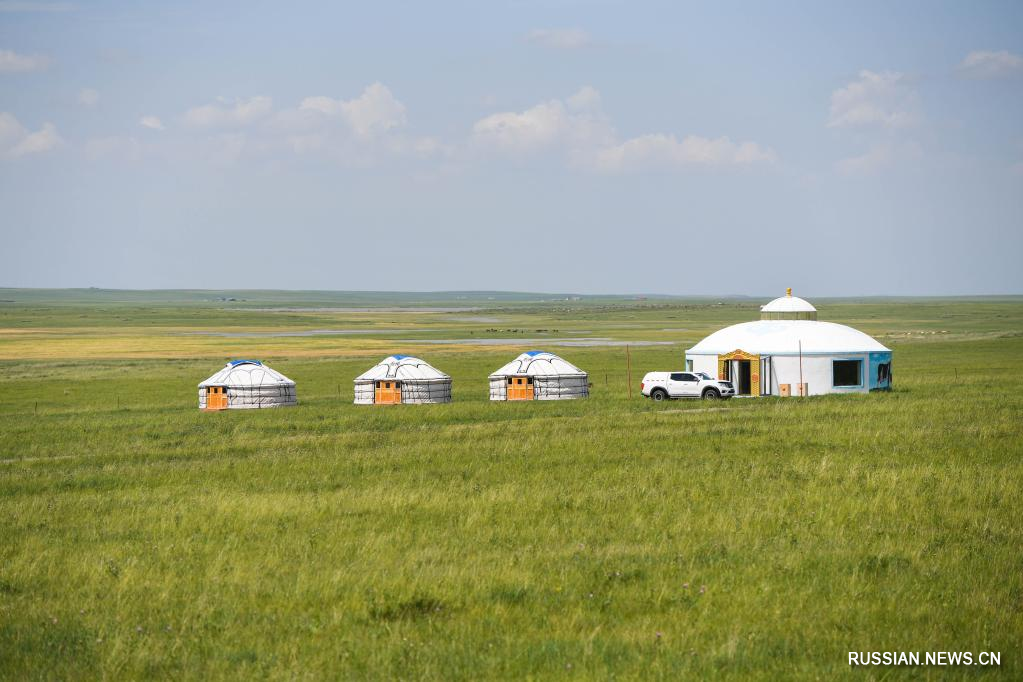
x,y
251,384
554,378
420,382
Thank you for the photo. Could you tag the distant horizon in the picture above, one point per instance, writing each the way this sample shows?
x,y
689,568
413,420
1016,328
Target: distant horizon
x,y
504,293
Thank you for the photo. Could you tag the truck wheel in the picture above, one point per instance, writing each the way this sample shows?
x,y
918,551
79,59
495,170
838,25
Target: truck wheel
x,y
711,394
659,394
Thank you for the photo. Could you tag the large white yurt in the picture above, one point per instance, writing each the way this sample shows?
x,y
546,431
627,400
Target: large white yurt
x,y
537,375
402,379
246,384
788,351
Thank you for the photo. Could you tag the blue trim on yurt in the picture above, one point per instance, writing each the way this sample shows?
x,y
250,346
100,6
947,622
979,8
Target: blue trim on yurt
x,y
399,357
235,363
532,353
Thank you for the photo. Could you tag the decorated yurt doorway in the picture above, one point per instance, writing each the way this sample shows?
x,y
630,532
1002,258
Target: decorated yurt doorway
x,y
742,369
216,398
520,388
387,393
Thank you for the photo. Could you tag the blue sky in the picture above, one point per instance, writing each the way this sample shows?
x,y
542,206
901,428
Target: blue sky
x,y
602,147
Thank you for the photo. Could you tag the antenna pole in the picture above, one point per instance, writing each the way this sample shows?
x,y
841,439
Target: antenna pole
x,y
628,361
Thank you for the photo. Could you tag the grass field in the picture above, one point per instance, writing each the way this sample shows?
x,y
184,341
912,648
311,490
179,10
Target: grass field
x,y
605,538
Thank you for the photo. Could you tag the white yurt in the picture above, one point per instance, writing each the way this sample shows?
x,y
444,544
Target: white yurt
x,y
537,375
402,379
788,351
246,384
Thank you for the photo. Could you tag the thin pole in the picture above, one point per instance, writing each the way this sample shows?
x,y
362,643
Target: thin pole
x,y
800,367
628,360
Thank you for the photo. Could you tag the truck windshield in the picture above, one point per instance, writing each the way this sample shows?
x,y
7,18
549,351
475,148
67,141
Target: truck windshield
x,y
704,375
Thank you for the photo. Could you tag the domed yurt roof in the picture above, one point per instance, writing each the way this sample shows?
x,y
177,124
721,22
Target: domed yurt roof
x,y
403,368
783,337
246,374
539,363
788,307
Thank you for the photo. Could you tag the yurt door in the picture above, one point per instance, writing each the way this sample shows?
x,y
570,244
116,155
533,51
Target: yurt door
x,y
388,393
740,375
520,388
216,398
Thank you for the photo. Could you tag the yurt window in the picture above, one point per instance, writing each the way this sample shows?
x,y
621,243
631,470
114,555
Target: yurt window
x,y
847,373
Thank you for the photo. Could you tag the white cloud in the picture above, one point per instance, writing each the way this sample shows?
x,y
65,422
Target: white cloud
x,y
355,132
16,140
579,123
229,113
88,97
586,99
560,38
578,127
874,99
666,151
43,140
12,62
522,131
373,112
151,122
365,130
989,64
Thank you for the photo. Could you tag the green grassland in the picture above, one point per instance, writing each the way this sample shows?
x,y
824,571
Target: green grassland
x,y
597,539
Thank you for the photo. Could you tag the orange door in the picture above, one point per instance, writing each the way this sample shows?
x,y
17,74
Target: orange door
x,y
520,388
387,393
216,398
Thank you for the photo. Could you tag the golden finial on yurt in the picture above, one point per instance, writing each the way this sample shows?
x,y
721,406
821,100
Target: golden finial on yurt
x,y
788,292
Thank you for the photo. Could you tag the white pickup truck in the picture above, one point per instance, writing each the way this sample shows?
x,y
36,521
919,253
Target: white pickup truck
x,y
664,385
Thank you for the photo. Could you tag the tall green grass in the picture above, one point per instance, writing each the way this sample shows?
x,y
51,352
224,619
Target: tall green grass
x,y
606,538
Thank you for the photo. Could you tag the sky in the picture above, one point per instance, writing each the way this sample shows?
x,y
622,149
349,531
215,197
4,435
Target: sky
x,y
842,149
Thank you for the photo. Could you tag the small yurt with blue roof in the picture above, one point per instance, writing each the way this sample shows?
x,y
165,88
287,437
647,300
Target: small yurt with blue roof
x,y
538,375
402,380
245,385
